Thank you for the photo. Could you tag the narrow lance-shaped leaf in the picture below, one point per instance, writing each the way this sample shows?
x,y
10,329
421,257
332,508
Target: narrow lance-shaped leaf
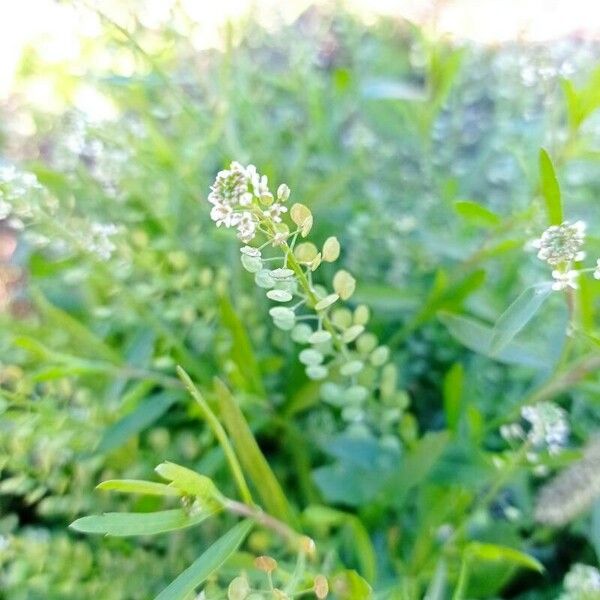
x,y
478,337
495,553
550,189
128,524
133,423
517,315
453,389
477,214
135,486
251,457
208,562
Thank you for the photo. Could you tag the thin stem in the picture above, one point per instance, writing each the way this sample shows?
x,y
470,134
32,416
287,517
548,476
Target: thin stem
x,y
499,482
312,298
221,436
558,383
463,578
263,518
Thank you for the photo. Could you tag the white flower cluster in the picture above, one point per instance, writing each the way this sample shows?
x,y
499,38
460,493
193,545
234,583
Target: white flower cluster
x,y
582,582
98,241
20,193
547,427
337,346
240,197
561,243
560,246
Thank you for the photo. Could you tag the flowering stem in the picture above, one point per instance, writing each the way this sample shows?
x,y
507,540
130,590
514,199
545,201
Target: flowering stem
x,y
327,324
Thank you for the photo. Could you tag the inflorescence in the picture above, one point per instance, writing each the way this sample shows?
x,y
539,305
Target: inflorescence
x,y
561,246
546,427
337,346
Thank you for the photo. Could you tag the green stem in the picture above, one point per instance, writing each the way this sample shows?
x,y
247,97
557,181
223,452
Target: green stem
x,y
327,324
463,578
220,434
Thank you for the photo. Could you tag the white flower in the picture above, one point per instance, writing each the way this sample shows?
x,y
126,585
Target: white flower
x,y
597,269
581,582
230,186
561,243
246,234
98,240
222,214
564,280
279,239
283,192
246,199
548,426
275,211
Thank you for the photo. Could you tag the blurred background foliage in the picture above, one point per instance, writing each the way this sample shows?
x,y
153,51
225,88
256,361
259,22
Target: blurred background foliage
x,y
420,154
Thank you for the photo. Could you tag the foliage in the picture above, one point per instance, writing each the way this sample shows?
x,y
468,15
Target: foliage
x,y
384,394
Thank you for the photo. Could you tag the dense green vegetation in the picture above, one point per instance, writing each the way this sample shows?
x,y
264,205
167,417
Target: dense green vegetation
x,y
394,398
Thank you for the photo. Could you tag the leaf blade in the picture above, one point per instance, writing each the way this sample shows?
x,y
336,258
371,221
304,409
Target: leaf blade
x,y
251,457
138,486
206,563
550,188
132,524
517,315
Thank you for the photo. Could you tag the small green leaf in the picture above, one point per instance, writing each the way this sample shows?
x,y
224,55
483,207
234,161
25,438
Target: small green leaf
x,y
495,553
349,585
477,214
242,352
550,189
146,413
453,390
360,541
189,482
517,315
206,564
128,524
417,464
136,486
478,337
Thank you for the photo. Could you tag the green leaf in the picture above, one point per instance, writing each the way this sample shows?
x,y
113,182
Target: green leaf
x,y
206,564
416,465
136,486
189,482
446,295
127,524
88,341
478,337
517,315
453,389
349,585
251,457
148,411
361,545
437,586
242,352
495,553
476,213
550,189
